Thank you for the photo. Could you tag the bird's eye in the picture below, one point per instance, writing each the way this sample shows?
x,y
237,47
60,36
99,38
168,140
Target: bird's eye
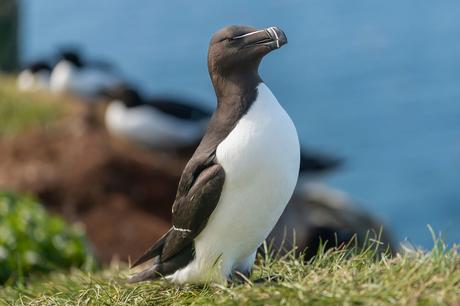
x,y
227,39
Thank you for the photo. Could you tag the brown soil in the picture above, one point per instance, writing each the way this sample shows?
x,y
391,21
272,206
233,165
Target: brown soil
x,y
121,193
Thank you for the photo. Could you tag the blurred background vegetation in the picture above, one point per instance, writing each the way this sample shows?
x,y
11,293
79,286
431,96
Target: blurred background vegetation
x,y
29,110
32,241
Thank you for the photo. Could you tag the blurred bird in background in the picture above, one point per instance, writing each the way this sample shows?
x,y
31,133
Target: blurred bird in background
x,y
159,123
75,75
35,76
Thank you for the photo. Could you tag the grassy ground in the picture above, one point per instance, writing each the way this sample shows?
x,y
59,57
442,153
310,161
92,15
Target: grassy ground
x,y
336,277
20,111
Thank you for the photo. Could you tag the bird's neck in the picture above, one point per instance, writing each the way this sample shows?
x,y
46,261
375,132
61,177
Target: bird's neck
x,y
237,90
235,95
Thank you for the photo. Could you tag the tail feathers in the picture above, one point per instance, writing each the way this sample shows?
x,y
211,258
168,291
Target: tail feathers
x,y
147,274
154,251
161,268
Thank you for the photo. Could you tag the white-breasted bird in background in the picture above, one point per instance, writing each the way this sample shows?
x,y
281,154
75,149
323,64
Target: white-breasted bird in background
x,y
34,76
160,122
85,79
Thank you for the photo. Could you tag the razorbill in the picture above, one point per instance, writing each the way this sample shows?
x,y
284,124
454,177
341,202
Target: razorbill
x,y
35,76
160,123
241,176
73,75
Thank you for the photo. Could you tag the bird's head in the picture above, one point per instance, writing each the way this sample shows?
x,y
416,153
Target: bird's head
x,y
238,48
72,57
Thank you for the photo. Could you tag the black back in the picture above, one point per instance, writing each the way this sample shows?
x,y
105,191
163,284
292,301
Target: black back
x,y
38,66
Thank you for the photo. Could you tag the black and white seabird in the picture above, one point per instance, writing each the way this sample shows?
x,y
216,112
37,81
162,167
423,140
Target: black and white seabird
x,y
160,123
242,175
73,75
35,76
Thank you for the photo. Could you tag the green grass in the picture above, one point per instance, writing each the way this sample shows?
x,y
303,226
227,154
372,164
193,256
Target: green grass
x,y
335,277
21,111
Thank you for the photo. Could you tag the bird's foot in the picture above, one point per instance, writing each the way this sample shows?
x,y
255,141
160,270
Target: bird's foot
x,y
268,279
239,277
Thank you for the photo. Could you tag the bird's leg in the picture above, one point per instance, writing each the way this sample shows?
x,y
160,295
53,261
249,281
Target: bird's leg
x,y
240,277
268,278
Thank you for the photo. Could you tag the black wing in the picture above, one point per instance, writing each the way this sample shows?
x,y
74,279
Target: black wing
x,y
197,196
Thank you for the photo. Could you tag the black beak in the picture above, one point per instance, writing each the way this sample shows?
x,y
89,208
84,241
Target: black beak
x,y
272,37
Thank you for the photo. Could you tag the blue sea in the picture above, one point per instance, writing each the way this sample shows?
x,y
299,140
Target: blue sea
x,y
374,82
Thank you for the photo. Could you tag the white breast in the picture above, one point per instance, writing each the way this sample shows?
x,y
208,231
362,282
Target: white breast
x,y
29,81
26,80
152,128
61,77
261,158
86,82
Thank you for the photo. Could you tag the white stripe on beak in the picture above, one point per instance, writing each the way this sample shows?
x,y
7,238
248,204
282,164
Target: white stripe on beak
x,y
276,36
248,34
271,31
